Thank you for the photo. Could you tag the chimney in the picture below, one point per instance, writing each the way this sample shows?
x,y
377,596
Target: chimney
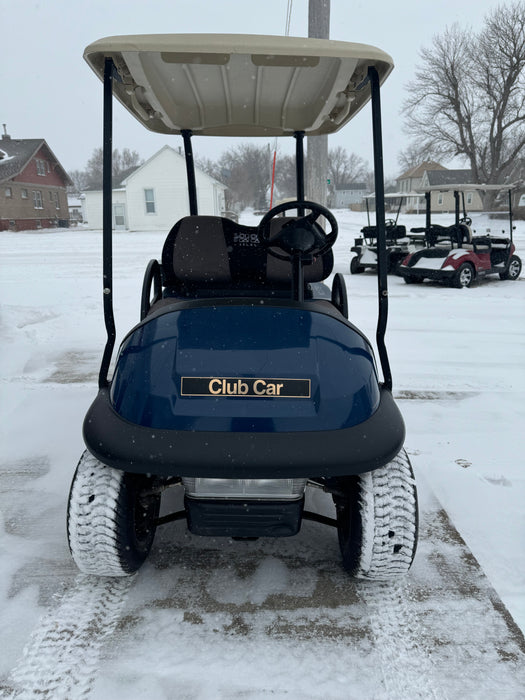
x,y
5,135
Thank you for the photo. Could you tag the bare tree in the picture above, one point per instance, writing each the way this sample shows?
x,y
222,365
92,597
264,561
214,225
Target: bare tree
x,y
208,166
344,167
414,155
125,160
245,169
468,97
80,181
121,162
286,176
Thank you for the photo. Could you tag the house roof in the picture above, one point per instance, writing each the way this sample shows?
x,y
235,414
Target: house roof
x,y
419,170
351,186
117,182
121,181
15,154
239,85
449,177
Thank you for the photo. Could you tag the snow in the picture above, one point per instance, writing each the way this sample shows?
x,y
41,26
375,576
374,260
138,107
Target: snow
x,y
178,629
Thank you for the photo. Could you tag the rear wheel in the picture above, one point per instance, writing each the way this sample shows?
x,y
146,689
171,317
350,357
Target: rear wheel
x,y
111,519
355,267
464,276
377,521
513,270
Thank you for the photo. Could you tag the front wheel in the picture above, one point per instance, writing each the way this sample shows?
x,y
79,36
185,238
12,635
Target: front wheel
x,y
111,518
513,270
377,521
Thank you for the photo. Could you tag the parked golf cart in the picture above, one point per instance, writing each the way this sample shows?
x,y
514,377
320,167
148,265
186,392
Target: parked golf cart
x,y
238,386
398,243
457,254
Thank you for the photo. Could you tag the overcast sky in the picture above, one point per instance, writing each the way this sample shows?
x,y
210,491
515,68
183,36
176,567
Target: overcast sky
x,y
48,91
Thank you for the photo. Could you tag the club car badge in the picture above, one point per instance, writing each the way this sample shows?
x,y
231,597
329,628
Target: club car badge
x,y
244,387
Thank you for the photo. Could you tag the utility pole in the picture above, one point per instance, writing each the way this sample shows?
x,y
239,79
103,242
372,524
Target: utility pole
x,y
317,146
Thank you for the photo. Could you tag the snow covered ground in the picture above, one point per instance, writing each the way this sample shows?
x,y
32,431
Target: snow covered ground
x,y
213,619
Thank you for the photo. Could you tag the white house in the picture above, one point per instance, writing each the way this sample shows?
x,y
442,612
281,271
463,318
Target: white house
x,y
350,193
154,196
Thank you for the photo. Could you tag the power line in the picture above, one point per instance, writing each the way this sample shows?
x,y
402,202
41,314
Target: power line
x,y
288,17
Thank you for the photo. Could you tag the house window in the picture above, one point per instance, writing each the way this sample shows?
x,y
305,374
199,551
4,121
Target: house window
x,y
40,166
24,194
440,198
469,197
37,199
149,198
8,192
57,201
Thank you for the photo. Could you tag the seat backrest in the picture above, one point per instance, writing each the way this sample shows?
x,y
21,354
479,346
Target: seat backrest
x,y
195,252
466,233
213,253
392,231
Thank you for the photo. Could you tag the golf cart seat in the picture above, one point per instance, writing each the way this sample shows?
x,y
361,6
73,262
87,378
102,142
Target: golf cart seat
x,y
207,256
457,236
393,231
479,244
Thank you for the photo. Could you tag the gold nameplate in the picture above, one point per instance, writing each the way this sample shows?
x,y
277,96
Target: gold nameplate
x,y
243,387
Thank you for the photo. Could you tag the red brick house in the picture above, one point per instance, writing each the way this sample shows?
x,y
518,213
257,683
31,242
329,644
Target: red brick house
x,y
32,186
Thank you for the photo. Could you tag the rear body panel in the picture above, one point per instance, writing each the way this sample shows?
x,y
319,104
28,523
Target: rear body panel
x,y
245,390
245,368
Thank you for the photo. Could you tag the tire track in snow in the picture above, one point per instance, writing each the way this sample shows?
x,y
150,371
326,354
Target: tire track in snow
x,y
61,657
407,668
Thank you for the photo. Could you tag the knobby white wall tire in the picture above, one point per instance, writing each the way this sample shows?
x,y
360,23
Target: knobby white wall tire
x,y
110,527
378,521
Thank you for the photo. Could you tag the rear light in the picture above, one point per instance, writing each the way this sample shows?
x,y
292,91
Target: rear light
x,y
264,489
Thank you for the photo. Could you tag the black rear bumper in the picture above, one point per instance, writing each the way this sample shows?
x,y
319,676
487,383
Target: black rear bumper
x,y
426,273
134,448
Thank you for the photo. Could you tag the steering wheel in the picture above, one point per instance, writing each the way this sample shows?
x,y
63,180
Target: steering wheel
x,y
301,236
466,220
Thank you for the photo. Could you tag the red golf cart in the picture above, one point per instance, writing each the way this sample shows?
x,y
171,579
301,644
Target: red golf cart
x,y
457,254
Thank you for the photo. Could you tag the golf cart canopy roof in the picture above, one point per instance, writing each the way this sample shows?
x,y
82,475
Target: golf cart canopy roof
x,y
395,195
239,85
469,188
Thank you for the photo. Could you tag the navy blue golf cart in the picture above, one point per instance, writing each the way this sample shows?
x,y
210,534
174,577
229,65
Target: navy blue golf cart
x,y
240,385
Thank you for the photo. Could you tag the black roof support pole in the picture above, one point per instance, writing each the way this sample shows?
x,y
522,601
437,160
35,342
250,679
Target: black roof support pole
x,y
511,222
428,210
107,220
190,171
299,167
380,224
456,199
